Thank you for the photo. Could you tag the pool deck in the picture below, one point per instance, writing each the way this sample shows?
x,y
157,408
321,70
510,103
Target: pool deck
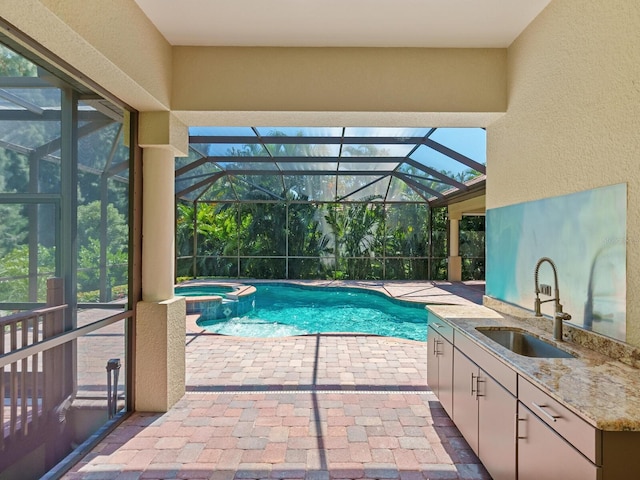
x,y
324,406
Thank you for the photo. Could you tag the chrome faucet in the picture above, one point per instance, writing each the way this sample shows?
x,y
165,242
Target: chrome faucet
x,y
559,316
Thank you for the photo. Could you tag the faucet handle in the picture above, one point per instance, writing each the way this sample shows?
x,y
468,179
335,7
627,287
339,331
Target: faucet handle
x,y
560,314
536,307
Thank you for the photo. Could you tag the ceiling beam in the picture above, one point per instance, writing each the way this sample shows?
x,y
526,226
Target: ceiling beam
x,y
363,187
233,159
294,173
49,115
21,102
83,131
434,173
310,140
454,196
458,157
417,185
24,82
207,181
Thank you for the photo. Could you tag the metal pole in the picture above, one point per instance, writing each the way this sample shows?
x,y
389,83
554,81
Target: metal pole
x,y
195,239
286,270
69,230
384,241
430,251
34,167
113,368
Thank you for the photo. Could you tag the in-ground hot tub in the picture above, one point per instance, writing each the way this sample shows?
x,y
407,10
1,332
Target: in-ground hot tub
x,y
216,299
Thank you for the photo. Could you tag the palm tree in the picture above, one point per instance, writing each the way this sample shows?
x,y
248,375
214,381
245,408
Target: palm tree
x,y
355,233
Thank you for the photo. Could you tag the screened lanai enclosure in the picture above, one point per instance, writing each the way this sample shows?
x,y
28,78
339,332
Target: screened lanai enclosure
x,y
65,302
328,203
42,123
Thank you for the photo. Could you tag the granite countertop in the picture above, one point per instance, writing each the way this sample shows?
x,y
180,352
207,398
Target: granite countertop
x,y
603,391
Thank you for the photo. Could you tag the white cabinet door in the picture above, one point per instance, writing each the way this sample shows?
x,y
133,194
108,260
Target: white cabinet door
x,y
440,369
432,361
496,428
445,376
465,402
485,413
544,455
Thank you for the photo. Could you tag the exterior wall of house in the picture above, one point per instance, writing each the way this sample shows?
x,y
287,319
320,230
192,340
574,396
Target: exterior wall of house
x,y
228,79
573,116
112,43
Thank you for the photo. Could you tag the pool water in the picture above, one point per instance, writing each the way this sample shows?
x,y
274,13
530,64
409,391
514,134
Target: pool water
x,y
284,310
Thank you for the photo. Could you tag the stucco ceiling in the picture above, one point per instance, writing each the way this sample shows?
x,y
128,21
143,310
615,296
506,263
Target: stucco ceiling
x,y
343,23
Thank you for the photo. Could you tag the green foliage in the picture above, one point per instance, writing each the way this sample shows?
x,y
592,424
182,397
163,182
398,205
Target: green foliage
x,y
89,220
266,229
472,247
15,263
217,234
439,246
117,292
351,245
356,230
407,235
14,65
117,235
13,229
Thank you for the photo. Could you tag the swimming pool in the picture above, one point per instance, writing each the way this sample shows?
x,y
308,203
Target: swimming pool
x,y
285,310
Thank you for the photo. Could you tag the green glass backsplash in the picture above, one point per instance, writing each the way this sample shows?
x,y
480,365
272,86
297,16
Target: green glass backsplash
x,y
584,234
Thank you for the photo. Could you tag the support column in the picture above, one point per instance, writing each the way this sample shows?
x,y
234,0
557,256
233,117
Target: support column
x,y
455,261
160,316
158,237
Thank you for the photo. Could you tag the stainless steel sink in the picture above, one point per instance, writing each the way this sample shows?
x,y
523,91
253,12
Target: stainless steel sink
x,y
523,343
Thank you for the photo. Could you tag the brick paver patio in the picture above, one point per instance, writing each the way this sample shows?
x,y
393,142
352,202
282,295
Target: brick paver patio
x,y
328,406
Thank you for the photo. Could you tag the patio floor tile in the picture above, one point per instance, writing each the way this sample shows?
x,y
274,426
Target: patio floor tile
x,y
326,406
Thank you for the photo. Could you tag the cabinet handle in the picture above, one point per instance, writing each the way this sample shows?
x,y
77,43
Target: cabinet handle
x,y
518,420
478,382
542,410
436,343
475,392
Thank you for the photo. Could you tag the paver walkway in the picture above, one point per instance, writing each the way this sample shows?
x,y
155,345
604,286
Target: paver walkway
x,y
326,406
315,407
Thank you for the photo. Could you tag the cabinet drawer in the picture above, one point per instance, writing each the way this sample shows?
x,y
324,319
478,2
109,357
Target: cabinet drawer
x,y
440,326
575,430
503,374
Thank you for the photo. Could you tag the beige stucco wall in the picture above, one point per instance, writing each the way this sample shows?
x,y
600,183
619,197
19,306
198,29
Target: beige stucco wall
x,y
573,118
160,366
339,79
472,206
111,42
